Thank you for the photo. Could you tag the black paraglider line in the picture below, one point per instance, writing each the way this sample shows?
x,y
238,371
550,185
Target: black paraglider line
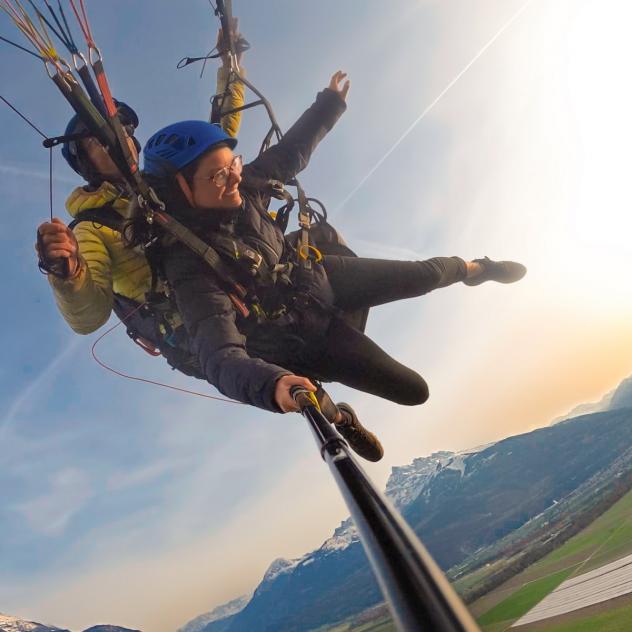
x,y
50,153
132,176
26,50
64,38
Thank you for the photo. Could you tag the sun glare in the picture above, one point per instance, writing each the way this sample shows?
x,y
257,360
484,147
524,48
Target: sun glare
x,y
595,239
600,49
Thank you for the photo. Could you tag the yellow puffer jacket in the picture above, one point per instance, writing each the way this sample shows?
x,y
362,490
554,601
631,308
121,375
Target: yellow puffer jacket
x,y
106,265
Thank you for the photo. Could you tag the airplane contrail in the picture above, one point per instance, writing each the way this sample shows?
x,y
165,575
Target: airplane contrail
x,y
29,391
412,126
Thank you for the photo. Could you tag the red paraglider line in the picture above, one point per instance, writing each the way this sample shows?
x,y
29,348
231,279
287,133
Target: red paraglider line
x,y
142,379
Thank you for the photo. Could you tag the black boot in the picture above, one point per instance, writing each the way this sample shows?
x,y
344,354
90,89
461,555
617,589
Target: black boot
x,y
360,440
499,271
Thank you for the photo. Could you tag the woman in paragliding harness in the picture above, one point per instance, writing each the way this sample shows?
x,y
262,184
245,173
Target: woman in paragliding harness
x,y
291,326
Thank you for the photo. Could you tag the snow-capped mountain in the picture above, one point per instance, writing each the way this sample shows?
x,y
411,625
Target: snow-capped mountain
x,y
13,624
217,614
457,503
344,535
406,482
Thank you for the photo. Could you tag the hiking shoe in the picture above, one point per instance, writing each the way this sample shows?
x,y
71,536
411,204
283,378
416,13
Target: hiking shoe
x,y
499,271
360,440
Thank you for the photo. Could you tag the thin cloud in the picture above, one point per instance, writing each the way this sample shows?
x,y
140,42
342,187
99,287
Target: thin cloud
x,y
29,392
51,512
414,124
9,170
145,475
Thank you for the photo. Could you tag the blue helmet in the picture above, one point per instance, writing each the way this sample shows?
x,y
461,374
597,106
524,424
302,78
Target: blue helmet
x,y
179,144
70,151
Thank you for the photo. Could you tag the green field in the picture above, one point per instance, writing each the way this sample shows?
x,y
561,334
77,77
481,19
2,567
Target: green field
x,y
606,539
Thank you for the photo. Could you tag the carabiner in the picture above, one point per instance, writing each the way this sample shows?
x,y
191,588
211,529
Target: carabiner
x,y
311,251
56,72
93,59
78,56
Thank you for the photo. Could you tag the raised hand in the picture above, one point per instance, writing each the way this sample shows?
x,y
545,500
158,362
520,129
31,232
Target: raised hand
x,y
339,85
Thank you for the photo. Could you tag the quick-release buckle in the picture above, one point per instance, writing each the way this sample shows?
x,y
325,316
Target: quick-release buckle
x,y
252,259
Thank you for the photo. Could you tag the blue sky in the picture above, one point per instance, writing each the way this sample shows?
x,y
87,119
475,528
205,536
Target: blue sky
x,y
143,507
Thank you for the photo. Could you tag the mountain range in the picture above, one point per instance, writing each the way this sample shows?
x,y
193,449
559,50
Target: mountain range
x,y
13,624
458,503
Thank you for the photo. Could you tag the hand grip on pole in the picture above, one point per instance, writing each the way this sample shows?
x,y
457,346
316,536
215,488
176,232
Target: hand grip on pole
x,y
304,398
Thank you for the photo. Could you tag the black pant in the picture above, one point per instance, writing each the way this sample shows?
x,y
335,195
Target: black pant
x,y
348,356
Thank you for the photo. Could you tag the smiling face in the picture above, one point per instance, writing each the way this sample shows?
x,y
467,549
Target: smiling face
x,y
100,159
205,189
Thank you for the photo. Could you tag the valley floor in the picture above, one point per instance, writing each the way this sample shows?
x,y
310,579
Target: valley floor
x,y
607,539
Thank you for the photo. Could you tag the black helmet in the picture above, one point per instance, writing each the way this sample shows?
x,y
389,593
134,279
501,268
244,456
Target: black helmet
x,y
70,149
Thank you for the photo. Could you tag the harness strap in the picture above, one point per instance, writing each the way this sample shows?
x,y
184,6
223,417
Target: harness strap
x,y
107,216
277,190
103,216
201,248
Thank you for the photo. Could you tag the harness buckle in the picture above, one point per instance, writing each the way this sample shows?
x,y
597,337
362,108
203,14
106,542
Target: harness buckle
x,y
307,252
253,260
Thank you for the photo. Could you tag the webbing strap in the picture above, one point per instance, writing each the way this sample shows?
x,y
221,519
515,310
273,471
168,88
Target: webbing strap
x,y
199,247
104,216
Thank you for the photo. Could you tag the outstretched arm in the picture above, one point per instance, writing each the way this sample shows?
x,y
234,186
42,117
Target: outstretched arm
x,y
291,154
229,94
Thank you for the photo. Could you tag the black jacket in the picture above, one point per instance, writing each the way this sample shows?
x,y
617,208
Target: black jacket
x,y
218,337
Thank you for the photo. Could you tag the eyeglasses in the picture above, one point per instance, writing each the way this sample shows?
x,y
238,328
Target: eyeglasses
x,y
220,177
